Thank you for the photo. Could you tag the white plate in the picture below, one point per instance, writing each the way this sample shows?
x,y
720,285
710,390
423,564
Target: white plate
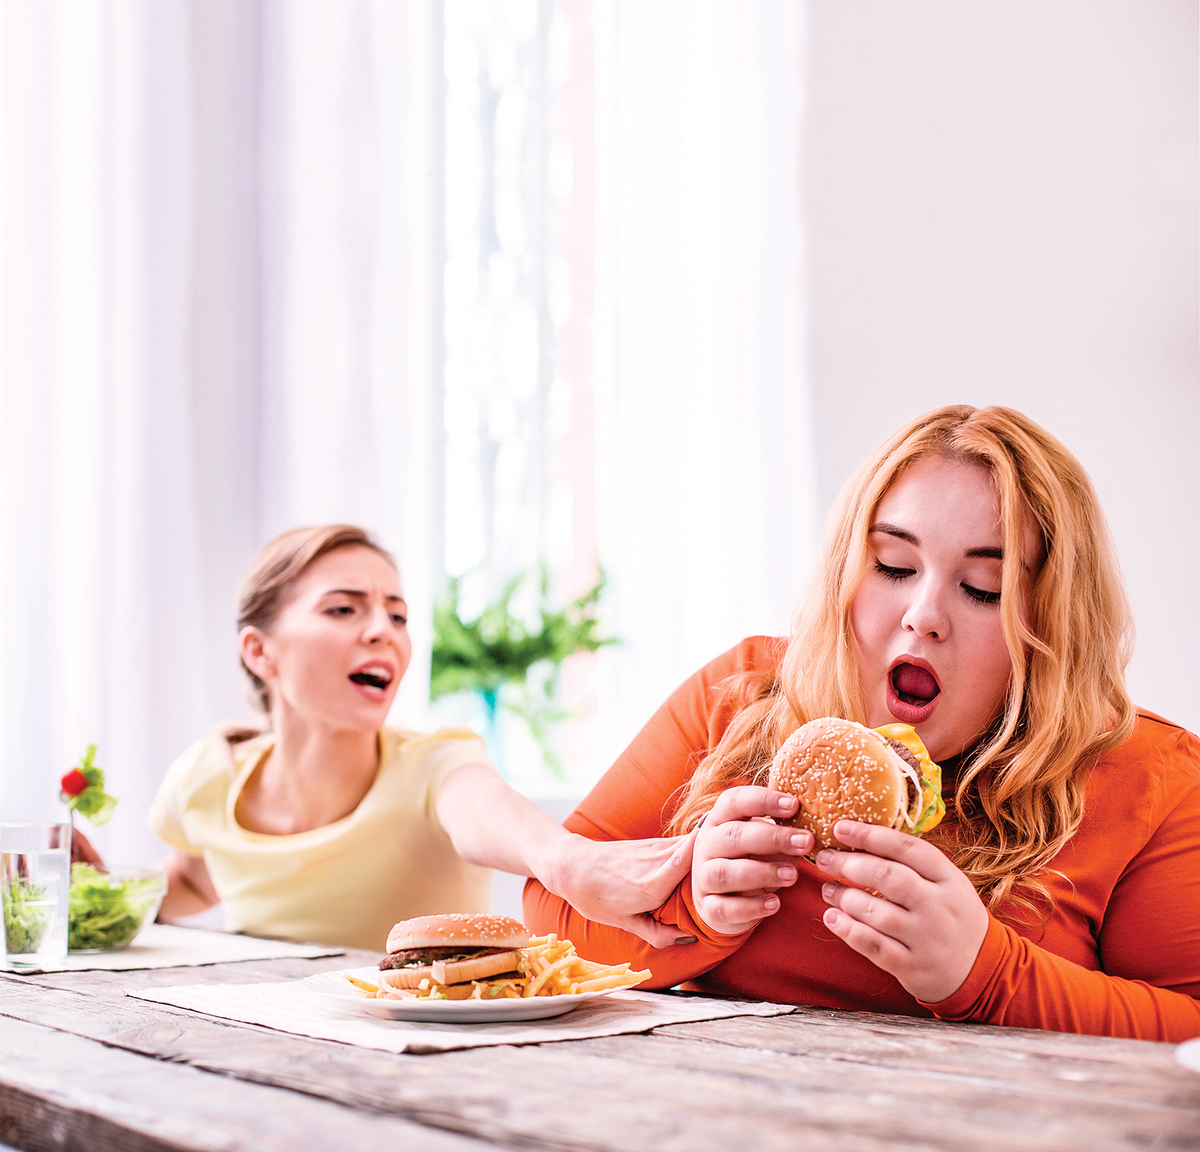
x,y
1188,1054
336,986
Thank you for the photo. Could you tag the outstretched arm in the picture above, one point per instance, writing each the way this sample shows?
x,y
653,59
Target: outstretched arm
x,y
617,883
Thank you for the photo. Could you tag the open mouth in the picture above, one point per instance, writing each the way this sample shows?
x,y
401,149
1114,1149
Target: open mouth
x,y
914,686
372,678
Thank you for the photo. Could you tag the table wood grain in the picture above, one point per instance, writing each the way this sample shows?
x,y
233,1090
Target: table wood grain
x,y
83,1066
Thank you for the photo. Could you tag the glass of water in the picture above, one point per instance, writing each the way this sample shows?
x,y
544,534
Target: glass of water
x,y
35,883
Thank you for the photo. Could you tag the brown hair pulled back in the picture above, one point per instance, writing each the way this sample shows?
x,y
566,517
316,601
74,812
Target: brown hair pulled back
x,y
264,588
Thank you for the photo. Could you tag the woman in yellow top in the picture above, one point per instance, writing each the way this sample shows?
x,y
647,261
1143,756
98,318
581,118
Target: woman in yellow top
x,y
330,826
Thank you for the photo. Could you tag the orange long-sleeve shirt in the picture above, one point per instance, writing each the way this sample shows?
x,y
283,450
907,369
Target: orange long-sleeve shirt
x,y
1120,955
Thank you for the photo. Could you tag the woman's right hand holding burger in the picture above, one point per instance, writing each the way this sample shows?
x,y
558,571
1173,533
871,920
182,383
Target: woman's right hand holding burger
x,y
742,857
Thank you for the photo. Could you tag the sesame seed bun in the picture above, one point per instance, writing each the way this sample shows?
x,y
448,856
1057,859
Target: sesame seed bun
x,y
840,770
458,929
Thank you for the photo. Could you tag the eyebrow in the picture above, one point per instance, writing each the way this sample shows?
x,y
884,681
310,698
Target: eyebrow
x,y
360,594
988,553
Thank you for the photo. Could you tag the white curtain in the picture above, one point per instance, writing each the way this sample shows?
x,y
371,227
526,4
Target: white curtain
x,y
625,373
220,316
706,481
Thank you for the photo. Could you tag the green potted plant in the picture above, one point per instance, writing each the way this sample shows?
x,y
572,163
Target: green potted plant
x,y
499,655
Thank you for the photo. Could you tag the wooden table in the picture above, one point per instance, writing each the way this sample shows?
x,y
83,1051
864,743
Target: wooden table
x,y
83,1066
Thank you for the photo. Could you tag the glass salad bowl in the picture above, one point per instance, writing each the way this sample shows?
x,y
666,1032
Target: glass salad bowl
x,y
109,907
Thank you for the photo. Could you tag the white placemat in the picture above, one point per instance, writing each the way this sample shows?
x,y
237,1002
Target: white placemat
x,y
170,946
293,1007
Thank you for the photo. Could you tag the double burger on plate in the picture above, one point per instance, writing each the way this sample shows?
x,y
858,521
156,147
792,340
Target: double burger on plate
x,y
454,953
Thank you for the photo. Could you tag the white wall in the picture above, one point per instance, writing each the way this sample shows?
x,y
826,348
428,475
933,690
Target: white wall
x,y
1001,207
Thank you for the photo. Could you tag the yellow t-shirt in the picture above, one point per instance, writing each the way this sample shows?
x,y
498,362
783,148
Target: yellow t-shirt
x,y
346,883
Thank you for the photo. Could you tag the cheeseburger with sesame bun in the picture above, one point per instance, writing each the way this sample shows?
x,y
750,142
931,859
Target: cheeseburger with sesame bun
x,y
840,770
450,953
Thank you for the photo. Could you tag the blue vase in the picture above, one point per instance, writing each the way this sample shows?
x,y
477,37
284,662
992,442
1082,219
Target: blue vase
x,y
494,733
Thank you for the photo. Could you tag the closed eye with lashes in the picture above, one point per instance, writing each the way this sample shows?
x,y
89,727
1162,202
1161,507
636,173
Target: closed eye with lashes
x,y
981,595
893,573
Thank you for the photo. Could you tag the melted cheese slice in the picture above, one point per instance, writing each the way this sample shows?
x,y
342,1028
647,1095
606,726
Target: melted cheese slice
x,y
933,807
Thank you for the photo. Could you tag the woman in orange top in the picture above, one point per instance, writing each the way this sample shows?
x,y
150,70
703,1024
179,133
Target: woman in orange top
x,y
968,588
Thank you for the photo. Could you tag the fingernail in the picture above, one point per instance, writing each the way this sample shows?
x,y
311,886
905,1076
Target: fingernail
x,y
787,803
801,841
685,939
831,916
785,872
824,859
771,904
827,890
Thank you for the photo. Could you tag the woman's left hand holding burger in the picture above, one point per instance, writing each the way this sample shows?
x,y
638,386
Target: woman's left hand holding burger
x,y
927,924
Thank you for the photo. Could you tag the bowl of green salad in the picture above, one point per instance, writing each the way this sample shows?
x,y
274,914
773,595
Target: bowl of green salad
x,y
108,908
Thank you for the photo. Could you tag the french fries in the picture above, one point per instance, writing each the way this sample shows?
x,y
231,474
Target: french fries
x,y
362,985
548,967
554,968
